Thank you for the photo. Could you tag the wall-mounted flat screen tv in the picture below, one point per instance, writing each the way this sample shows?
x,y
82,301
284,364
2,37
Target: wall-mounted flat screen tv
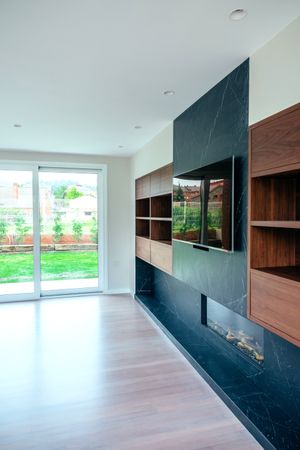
x,y
203,202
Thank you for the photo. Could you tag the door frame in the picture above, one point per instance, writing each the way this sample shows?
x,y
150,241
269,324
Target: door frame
x,y
101,170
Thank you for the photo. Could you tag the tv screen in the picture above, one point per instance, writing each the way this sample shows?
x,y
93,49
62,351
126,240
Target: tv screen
x,y
203,206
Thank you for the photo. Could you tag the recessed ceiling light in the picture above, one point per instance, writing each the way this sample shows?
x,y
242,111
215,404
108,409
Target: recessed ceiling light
x,y
238,14
17,125
138,127
169,92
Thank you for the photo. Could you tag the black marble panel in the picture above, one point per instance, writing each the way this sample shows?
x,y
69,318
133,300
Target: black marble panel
x,y
143,276
212,129
240,381
281,376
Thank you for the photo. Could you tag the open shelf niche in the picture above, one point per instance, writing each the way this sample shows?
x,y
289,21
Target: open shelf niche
x,y
154,218
142,208
274,224
143,228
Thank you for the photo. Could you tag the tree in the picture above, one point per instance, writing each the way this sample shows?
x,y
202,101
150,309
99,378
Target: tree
x,y
59,192
94,230
3,229
57,228
77,230
179,196
21,227
73,193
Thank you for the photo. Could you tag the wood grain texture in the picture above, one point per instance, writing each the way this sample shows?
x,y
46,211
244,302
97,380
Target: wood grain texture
x,y
161,256
161,230
161,206
96,373
274,226
271,247
275,143
142,207
142,187
295,224
273,198
275,301
162,180
142,227
142,248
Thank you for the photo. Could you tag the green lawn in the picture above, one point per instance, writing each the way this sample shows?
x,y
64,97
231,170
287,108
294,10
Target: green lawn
x,y
18,267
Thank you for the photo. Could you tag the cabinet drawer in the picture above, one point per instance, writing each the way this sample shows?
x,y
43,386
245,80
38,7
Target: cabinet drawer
x,y
142,248
275,302
161,256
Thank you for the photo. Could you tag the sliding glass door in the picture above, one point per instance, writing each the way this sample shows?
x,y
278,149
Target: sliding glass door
x,y
69,230
51,232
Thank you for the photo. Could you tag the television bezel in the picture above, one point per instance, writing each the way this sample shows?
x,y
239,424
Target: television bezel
x,y
206,246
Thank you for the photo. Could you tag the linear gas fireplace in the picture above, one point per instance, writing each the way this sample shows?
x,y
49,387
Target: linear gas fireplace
x,y
246,336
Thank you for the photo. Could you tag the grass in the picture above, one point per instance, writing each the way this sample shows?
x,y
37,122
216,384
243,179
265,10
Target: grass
x,y
18,267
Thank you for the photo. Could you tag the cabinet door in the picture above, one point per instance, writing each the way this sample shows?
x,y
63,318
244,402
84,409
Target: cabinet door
x,y
275,304
276,144
142,187
161,256
162,180
142,246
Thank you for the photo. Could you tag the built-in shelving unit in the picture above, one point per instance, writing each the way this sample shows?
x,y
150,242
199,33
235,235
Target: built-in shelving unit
x,y
274,224
154,218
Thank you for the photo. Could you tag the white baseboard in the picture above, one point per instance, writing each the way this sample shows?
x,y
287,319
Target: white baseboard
x,y
117,291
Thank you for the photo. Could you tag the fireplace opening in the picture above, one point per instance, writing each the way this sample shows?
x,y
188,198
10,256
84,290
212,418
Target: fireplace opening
x,y
246,336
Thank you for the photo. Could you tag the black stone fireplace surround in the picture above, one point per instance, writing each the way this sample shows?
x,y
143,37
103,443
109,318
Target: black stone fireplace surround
x,y
265,396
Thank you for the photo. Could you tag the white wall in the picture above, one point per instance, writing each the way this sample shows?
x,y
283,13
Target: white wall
x,y
157,153
275,74
119,208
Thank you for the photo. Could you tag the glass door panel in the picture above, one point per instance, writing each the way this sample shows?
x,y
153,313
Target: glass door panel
x,y
16,233
68,230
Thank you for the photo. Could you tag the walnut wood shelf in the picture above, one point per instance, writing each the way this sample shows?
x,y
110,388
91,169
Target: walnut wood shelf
x,y
294,224
274,224
288,272
154,218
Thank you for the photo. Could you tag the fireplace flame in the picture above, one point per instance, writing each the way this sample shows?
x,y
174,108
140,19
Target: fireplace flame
x,y
245,343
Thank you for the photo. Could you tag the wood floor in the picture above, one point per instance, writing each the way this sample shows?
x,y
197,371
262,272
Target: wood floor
x,y
96,373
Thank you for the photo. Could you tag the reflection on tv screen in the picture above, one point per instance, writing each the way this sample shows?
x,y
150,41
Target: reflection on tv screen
x,y
202,206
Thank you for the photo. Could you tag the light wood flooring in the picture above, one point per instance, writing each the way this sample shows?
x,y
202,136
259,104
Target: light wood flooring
x,y
96,373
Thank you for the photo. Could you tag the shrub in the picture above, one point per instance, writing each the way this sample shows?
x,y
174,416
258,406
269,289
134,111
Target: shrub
x,y
57,228
73,193
77,230
21,227
59,192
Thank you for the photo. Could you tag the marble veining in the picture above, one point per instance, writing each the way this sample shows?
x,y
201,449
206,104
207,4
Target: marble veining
x,y
214,128
242,381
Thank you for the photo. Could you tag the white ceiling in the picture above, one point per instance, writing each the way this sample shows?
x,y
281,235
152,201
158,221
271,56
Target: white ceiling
x,y
80,74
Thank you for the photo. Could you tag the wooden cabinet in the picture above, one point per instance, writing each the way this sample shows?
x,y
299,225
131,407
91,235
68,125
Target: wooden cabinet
x,y
275,143
154,218
142,187
274,224
275,303
142,248
161,256
161,181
